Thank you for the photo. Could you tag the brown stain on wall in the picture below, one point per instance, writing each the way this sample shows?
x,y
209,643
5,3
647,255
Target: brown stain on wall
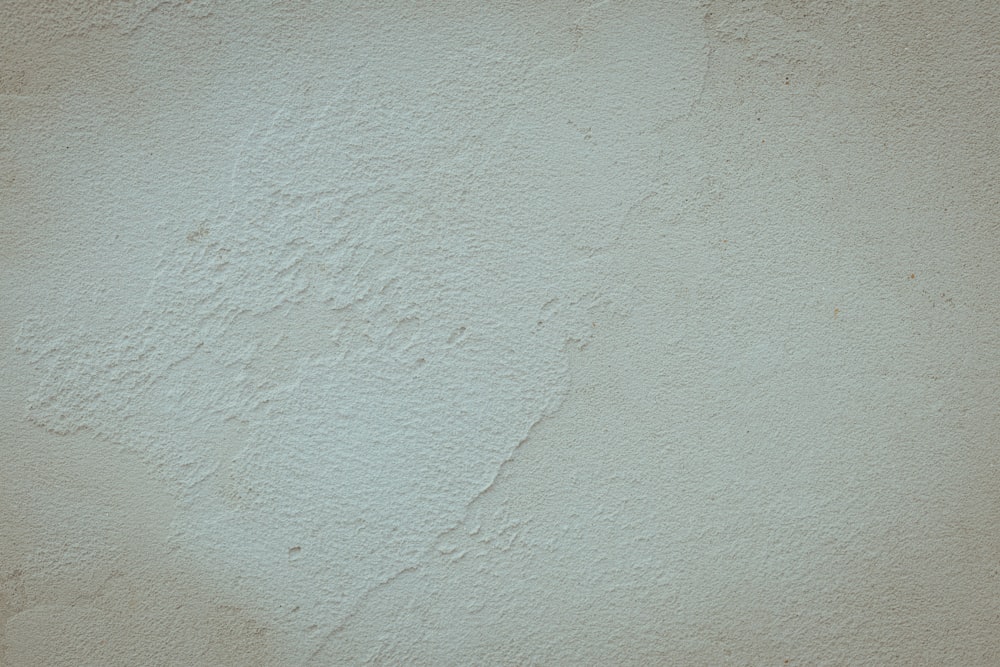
x,y
93,597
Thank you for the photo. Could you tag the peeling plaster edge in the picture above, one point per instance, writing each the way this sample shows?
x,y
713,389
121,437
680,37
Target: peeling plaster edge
x,y
435,551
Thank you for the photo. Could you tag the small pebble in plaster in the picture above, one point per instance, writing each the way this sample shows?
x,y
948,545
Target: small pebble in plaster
x,y
456,334
198,234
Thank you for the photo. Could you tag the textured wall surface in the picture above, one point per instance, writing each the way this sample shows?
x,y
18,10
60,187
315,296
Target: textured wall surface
x,y
453,333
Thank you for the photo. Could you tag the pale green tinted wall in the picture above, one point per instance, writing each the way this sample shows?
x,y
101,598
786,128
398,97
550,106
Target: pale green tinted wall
x,y
453,333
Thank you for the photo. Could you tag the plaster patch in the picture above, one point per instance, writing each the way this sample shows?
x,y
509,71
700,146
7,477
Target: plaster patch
x,y
337,359
303,356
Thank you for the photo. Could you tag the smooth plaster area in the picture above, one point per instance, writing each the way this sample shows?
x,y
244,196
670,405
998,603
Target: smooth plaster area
x,y
508,333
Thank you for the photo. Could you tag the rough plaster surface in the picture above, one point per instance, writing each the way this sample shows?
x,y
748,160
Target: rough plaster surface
x,y
508,333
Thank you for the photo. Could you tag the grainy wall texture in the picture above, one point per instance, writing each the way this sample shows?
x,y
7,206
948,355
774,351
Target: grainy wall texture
x,y
507,333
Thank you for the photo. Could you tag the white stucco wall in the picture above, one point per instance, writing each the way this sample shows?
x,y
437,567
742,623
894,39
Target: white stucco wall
x,y
453,333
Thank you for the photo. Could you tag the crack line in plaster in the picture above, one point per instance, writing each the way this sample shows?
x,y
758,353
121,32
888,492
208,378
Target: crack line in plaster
x,y
435,552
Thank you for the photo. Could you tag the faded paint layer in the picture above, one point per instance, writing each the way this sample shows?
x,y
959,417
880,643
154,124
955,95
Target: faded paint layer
x,y
606,333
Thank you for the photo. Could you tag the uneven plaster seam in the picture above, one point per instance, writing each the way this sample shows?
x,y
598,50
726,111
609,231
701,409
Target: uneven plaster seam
x,y
436,551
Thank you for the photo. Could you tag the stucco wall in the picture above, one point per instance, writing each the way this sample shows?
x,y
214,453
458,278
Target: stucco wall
x,y
453,333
